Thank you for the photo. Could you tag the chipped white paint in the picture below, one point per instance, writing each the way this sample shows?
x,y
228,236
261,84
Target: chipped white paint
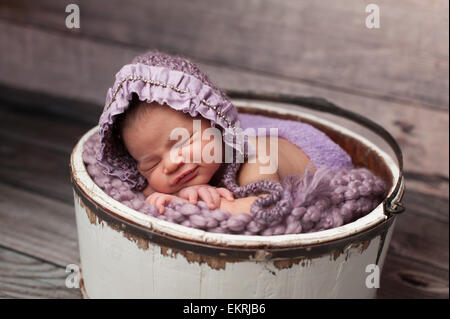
x,y
114,266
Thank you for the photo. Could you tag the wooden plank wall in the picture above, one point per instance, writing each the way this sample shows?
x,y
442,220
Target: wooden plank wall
x,y
396,75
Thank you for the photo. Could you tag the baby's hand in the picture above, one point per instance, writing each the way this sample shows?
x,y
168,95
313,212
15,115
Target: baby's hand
x,y
159,200
209,194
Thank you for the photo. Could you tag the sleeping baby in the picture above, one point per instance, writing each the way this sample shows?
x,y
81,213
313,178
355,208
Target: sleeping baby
x,y
172,134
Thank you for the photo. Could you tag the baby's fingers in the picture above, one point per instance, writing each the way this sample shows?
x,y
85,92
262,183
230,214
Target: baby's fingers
x,y
225,193
151,199
158,200
206,196
160,203
193,196
215,196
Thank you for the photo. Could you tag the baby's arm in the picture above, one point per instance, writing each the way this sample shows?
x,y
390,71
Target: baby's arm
x,y
239,205
249,172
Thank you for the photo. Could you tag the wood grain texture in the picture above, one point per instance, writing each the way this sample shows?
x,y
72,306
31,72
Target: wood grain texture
x,y
421,237
407,278
38,226
422,132
35,168
324,43
22,276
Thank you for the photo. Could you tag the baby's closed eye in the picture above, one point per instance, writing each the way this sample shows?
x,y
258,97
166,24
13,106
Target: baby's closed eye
x,y
148,167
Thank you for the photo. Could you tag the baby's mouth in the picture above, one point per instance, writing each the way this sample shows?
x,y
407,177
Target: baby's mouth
x,y
186,176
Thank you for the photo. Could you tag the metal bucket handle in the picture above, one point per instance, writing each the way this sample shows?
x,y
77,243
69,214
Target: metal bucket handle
x,y
392,204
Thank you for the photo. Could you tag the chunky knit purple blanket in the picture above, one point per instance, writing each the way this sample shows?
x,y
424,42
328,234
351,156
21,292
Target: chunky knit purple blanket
x,y
319,200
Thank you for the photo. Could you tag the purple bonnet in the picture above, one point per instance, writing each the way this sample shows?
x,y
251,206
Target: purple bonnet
x,y
165,79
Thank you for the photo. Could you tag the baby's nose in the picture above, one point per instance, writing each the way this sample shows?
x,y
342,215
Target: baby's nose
x,y
172,166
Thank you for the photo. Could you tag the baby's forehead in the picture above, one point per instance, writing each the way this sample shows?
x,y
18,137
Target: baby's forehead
x,y
168,116
160,120
163,114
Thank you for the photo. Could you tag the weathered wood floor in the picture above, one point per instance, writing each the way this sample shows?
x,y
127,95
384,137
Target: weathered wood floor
x,y
53,82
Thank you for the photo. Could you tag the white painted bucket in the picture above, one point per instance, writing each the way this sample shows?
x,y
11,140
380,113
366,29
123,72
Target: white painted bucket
x,y
126,254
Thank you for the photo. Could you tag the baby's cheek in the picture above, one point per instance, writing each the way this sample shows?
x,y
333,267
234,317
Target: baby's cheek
x,y
158,183
195,152
211,151
208,171
201,179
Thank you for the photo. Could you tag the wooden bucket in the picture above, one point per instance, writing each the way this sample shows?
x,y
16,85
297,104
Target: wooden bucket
x,y
126,254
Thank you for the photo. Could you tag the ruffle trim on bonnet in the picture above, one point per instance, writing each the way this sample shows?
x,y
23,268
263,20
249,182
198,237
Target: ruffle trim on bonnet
x,y
179,90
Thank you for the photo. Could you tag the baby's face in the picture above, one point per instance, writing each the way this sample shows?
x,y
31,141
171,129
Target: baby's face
x,y
148,142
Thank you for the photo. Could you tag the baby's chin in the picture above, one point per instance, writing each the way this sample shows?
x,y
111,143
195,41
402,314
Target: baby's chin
x,y
197,180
